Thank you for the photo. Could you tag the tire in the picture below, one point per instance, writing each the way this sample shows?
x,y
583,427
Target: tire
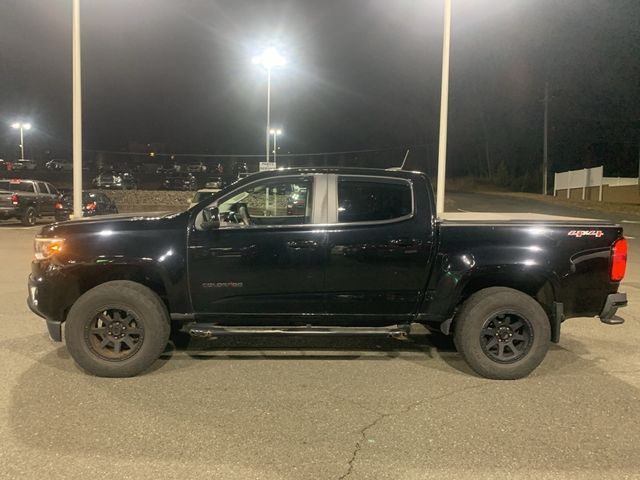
x,y
501,333
28,218
62,218
98,321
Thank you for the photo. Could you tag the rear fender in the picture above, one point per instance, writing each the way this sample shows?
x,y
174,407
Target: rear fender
x,y
453,286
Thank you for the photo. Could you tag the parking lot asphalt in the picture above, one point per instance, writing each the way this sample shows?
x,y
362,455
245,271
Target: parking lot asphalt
x,y
320,408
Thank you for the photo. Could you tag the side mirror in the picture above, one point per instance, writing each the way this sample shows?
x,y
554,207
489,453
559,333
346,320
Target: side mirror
x,y
211,218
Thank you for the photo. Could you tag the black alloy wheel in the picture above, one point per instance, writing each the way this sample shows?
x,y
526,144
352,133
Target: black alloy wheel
x,y
115,334
506,337
502,333
117,329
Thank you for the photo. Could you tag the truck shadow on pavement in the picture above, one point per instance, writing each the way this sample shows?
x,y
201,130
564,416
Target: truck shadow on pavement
x,y
267,405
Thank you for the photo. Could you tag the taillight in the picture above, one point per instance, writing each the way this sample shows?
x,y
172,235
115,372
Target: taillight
x,y
58,206
91,206
14,198
618,259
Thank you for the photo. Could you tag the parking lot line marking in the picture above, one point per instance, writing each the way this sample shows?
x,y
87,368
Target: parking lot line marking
x,y
629,221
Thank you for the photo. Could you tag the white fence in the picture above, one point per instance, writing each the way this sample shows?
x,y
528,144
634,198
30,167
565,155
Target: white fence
x,y
587,177
619,181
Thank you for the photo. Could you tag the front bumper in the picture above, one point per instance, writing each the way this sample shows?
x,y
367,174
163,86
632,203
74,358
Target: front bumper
x,y
611,305
53,326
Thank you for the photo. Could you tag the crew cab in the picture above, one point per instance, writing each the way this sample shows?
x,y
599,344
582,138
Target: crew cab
x,y
26,200
362,253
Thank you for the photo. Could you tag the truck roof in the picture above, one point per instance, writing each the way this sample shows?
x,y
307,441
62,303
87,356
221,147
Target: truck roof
x,y
337,170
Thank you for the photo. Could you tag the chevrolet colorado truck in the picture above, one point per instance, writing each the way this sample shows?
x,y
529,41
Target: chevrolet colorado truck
x,y
324,251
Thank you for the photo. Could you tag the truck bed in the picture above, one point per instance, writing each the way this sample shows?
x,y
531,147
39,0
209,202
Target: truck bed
x,y
514,217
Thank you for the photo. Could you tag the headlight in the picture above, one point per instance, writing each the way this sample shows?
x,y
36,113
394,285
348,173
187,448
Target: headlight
x,y
44,248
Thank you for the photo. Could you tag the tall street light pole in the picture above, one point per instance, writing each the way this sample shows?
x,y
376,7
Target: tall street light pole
x,y
444,109
270,58
77,112
22,126
275,132
268,111
545,147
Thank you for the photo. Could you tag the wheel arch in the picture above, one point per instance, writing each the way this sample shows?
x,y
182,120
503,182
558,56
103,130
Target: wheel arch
x,y
452,292
84,279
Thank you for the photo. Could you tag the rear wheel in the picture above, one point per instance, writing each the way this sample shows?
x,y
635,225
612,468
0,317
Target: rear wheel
x,y
29,217
502,333
117,329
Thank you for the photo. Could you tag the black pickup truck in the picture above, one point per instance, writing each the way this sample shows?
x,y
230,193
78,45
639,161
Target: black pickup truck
x,y
26,200
361,253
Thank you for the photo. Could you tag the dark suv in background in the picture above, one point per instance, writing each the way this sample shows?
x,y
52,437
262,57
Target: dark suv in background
x,y
93,203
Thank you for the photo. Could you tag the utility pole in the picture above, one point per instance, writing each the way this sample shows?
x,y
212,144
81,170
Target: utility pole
x,y
545,158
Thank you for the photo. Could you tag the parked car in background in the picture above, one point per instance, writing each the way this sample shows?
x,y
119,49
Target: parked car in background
x,y
25,164
6,165
214,182
196,167
93,203
59,164
115,181
202,194
27,200
180,181
169,169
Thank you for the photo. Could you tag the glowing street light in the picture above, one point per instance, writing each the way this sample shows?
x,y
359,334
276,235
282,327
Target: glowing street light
x,y
276,132
270,58
22,126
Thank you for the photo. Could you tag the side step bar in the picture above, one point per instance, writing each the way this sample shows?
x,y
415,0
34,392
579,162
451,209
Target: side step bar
x,y
207,330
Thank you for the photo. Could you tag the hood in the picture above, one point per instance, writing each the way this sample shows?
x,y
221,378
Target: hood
x,y
116,222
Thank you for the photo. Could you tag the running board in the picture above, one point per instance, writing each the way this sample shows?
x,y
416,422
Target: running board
x,y
207,330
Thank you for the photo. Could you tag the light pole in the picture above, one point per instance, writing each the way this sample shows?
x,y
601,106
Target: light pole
x,y
444,109
77,110
22,126
545,144
275,132
270,58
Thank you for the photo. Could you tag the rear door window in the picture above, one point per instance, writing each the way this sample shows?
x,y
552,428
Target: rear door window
x,y
371,199
43,188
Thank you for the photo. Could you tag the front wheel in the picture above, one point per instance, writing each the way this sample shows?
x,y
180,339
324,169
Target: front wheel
x,y
502,333
117,329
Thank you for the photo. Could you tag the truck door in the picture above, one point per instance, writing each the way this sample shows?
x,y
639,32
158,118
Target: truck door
x,y
268,255
379,246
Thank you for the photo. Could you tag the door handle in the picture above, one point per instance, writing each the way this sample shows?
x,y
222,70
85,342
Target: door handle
x,y
298,244
404,242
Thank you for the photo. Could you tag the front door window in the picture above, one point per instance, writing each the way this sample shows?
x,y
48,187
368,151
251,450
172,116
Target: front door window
x,y
275,202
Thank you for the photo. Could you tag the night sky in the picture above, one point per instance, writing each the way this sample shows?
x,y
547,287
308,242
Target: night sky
x,y
362,74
